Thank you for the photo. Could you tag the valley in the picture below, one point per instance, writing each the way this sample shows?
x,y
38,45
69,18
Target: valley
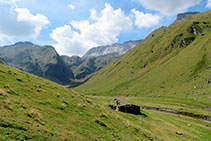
x,y
33,108
167,75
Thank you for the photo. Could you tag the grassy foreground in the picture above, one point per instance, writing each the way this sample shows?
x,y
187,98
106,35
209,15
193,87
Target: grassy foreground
x,y
36,109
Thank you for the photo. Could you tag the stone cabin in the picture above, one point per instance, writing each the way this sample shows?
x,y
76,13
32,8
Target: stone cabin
x,y
128,108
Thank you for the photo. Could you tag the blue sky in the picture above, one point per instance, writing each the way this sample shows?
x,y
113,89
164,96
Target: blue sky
x,y
74,26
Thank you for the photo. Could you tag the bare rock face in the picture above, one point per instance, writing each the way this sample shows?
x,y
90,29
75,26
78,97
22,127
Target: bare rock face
x,y
181,16
111,50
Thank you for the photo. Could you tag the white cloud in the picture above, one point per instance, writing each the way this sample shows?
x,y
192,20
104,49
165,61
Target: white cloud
x,y
38,21
19,22
145,20
93,14
103,30
208,4
71,6
169,7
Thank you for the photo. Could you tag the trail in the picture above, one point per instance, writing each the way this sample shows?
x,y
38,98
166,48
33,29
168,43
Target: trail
x,y
163,109
168,110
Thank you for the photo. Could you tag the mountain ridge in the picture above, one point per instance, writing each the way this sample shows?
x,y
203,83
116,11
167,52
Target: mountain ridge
x,y
42,61
115,49
182,16
45,62
170,62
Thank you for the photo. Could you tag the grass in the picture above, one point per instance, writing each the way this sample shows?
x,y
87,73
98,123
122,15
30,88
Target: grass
x,y
37,109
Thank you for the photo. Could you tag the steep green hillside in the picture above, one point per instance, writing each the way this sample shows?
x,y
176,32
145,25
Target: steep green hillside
x,y
32,108
172,62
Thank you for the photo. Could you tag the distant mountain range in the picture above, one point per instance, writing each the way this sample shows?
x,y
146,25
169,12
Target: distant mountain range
x,y
96,58
111,50
45,62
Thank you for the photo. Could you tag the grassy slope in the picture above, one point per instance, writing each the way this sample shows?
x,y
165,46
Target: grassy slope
x,y
32,108
156,68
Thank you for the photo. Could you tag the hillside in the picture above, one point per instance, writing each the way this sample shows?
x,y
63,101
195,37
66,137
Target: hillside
x,y
33,108
92,65
41,61
72,62
2,61
172,62
84,68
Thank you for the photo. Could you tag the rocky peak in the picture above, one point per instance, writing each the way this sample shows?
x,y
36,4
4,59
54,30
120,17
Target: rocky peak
x,y
26,43
181,16
115,49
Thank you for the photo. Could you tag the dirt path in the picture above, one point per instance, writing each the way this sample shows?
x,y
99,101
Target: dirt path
x,y
167,110
163,109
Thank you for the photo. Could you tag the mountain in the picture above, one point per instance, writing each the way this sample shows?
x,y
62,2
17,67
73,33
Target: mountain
x,y
111,50
96,58
42,61
45,62
2,61
72,62
172,63
91,65
36,109
182,16
83,69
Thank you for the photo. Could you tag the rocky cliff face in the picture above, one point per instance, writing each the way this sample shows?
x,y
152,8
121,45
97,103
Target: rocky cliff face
x,y
42,61
181,16
111,50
